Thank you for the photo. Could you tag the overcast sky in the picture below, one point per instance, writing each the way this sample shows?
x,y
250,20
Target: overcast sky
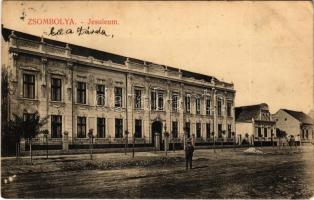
x,y
264,48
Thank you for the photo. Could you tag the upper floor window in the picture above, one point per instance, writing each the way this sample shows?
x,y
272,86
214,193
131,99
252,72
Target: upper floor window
x,y
117,97
157,100
56,89
100,92
29,86
229,106
160,101
219,107
174,102
81,92
187,103
81,127
207,106
56,126
138,98
197,105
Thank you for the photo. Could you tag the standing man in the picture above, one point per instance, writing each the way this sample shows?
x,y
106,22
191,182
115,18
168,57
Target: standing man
x,y
189,154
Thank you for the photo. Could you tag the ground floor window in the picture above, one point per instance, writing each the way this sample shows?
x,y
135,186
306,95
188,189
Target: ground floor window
x,y
101,127
208,130
56,126
175,129
259,131
219,130
81,127
198,130
229,130
265,132
118,128
138,128
187,128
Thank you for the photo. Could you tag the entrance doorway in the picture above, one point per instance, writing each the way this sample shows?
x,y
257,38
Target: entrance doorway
x,y
156,128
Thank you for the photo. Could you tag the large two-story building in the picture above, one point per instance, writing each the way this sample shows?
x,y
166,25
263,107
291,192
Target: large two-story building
x,y
81,88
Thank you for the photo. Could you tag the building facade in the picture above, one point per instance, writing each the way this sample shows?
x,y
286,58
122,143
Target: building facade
x,y
254,124
296,124
82,89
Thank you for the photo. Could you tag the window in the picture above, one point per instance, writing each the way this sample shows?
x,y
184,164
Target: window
x,y
197,105
187,128
229,105
29,86
153,101
175,129
56,126
138,99
207,106
187,103
118,128
28,116
307,134
101,96
138,128
81,127
219,107
55,89
101,127
229,130
198,130
174,102
259,131
208,130
117,97
219,130
265,132
81,92
157,100
160,101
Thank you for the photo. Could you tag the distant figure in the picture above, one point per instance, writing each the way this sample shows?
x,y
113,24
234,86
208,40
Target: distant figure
x,y
189,155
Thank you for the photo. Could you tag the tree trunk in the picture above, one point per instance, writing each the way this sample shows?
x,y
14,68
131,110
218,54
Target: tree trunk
x,y
91,148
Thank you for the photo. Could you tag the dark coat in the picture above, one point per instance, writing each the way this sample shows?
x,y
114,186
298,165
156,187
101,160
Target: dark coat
x,y
189,151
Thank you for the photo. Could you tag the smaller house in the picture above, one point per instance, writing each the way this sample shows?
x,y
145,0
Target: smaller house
x,y
254,124
296,124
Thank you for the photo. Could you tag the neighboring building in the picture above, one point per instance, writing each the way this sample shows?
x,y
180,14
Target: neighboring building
x,y
82,88
254,124
295,123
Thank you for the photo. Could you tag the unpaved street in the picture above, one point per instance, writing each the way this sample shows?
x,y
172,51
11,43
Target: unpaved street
x,y
225,174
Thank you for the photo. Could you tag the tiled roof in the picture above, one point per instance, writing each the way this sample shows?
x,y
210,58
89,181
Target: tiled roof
x,y
246,113
101,55
301,116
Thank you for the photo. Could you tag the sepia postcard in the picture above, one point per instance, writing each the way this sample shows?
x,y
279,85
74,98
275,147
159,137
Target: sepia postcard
x,y
157,100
